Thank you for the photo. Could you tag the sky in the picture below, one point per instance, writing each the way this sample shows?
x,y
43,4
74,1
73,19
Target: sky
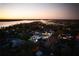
x,y
39,11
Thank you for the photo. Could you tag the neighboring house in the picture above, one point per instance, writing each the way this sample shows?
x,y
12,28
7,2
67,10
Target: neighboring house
x,y
15,42
46,35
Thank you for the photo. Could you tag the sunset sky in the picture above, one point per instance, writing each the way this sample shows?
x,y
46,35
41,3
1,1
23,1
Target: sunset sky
x,y
38,11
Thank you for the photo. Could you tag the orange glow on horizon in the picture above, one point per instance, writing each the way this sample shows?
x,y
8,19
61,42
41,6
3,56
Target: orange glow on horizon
x,y
37,11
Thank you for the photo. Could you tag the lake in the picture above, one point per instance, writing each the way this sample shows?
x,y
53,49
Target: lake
x,y
10,23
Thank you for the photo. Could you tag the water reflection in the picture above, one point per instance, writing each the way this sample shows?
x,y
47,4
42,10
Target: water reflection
x,y
6,23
